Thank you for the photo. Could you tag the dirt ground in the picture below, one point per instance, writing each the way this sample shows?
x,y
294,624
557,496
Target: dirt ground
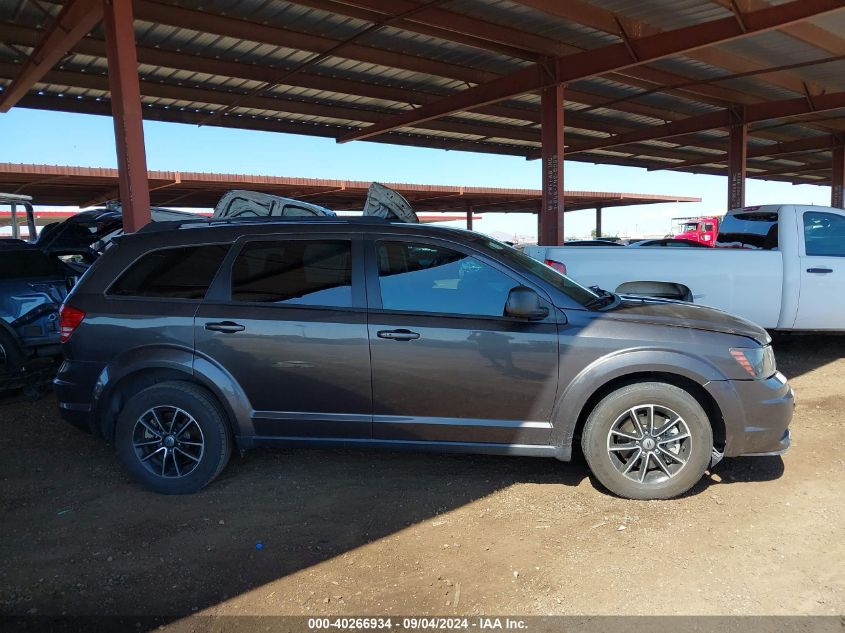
x,y
343,532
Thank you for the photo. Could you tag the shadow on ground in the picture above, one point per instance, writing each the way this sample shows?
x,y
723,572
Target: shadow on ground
x,y
798,354
79,538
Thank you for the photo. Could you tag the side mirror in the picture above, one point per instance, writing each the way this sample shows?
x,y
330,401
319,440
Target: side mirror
x,y
524,303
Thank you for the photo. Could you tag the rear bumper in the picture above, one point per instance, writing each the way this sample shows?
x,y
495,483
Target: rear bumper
x,y
756,413
74,387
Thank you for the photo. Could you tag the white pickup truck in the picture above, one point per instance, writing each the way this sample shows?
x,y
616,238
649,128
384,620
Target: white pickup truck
x,y
781,266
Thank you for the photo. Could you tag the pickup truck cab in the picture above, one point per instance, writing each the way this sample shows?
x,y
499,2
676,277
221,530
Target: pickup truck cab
x,y
781,266
701,230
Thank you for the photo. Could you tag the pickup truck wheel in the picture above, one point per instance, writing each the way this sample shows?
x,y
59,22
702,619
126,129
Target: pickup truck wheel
x,y
173,437
649,440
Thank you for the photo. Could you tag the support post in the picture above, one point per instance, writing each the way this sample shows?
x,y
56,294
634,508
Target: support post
x,y
737,154
598,222
469,217
15,230
551,214
838,178
118,24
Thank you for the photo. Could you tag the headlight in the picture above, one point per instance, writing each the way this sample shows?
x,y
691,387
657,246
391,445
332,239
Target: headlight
x,y
759,362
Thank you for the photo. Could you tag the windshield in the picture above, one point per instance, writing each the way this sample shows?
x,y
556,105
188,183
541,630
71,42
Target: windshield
x,y
690,227
578,293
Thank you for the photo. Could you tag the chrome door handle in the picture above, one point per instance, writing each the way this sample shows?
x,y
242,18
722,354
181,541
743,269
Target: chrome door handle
x,y
227,327
398,335
823,271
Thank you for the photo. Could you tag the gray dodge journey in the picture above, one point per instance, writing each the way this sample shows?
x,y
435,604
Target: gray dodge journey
x,y
187,339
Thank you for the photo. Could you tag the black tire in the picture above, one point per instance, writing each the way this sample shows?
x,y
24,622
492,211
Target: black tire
x,y
207,432
608,457
12,362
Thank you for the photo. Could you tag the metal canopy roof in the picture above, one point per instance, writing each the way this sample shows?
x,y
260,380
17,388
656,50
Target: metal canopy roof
x,y
337,67
90,186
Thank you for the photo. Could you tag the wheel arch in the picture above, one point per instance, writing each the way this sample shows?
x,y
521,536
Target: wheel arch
x,y
625,368
697,391
140,369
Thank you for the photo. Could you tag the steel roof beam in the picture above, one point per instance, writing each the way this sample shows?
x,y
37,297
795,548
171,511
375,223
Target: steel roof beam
x,y
604,20
75,20
221,67
277,36
752,114
490,36
799,146
607,59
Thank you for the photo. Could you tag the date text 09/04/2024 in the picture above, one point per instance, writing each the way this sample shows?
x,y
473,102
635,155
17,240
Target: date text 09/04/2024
x,y
411,623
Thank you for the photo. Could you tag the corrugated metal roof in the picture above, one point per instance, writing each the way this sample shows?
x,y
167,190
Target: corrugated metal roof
x,y
69,185
194,66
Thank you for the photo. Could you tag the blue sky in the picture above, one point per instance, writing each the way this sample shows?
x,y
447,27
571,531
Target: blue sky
x,y
33,136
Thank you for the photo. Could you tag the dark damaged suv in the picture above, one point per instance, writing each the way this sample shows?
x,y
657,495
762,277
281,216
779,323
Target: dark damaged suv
x,y
184,341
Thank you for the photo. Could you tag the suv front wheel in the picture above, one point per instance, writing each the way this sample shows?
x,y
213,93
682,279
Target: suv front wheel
x,y
173,437
648,440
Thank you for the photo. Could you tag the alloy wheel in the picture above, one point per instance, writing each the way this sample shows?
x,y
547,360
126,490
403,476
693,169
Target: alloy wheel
x,y
168,441
649,443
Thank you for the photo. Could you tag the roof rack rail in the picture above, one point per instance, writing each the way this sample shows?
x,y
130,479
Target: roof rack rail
x,y
169,225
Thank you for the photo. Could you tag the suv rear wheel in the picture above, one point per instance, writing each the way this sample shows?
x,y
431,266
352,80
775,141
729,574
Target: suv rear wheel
x,y
649,440
173,437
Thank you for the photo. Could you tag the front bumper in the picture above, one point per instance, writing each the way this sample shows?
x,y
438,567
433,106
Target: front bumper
x,y
756,413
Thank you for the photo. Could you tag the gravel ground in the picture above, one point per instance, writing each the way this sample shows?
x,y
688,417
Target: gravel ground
x,y
342,532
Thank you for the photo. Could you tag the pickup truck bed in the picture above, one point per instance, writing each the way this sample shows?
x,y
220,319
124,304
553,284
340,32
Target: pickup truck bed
x,y
781,266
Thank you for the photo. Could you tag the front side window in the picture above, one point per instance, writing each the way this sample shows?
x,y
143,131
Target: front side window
x,y
294,272
824,234
172,273
564,284
427,278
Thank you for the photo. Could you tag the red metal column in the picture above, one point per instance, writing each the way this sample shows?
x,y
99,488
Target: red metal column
x,y
737,151
838,179
551,214
126,112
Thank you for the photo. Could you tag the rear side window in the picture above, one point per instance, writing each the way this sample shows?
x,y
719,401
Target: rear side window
x,y
295,272
755,230
172,273
824,234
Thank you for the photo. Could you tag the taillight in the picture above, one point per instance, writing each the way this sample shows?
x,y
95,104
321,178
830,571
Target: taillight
x,y
69,320
558,266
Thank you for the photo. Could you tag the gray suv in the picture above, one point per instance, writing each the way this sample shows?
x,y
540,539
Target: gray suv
x,y
186,340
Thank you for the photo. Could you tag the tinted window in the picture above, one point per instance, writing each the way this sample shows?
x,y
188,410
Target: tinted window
x,y
295,272
25,264
564,284
824,234
425,278
755,229
175,273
